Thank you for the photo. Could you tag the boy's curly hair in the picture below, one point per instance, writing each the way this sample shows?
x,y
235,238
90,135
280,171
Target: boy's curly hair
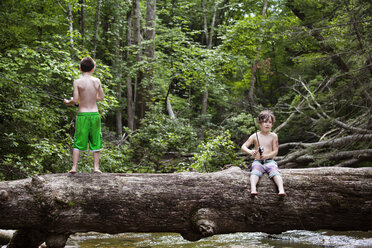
x,y
266,115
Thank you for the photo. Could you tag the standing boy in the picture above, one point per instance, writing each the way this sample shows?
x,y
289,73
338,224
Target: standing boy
x,y
266,147
87,91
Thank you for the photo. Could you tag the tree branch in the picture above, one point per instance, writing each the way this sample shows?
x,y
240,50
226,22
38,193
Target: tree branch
x,y
329,143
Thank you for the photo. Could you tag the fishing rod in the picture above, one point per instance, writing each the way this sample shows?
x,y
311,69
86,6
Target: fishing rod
x,y
35,89
260,148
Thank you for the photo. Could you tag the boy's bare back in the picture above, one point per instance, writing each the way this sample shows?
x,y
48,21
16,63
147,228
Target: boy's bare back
x,y
88,90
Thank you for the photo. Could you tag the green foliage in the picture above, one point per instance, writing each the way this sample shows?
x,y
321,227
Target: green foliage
x,y
240,126
36,127
215,152
305,39
117,159
159,136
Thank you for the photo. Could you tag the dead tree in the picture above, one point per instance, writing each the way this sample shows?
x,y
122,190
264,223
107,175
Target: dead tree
x,y
196,205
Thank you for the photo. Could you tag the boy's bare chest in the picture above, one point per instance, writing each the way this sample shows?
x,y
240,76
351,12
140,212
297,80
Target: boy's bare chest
x,y
265,140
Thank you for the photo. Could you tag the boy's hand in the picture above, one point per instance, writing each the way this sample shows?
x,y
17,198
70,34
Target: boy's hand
x,y
254,153
67,102
257,155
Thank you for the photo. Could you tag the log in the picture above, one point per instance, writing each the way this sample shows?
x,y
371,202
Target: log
x,y
5,236
196,205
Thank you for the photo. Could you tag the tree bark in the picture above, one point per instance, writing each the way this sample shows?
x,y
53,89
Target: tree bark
x,y
137,40
330,143
130,95
209,41
150,29
359,38
5,236
196,205
307,152
255,64
96,27
213,23
205,22
70,25
170,109
82,20
205,101
118,78
150,52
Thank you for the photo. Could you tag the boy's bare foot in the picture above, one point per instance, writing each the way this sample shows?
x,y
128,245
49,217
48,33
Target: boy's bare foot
x,y
282,194
72,171
98,171
254,193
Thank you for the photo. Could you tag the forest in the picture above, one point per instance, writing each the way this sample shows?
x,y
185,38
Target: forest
x,y
184,80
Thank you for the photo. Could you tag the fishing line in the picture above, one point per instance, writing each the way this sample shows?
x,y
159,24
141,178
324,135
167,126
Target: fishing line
x,y
37,90
260,149
34,89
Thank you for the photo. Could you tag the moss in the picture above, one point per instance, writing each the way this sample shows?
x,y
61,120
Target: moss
x,y
63,204
338,204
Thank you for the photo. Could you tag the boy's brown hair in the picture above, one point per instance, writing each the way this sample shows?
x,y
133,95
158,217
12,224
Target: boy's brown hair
x,y
87,64
266,115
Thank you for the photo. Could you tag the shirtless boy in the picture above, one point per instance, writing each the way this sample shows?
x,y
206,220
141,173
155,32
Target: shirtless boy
x,y
264,163
87,91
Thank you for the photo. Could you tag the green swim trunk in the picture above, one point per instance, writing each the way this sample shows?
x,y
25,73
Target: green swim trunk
x,y
88,130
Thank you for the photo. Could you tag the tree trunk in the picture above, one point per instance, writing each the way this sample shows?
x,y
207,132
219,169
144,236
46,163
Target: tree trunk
x,y
130,100
82,20
209,41
70,25
138,92
359,38
170,109
213,22
255,64
5,236
96,22
150,29
118,78
205,101
118,115
196,205
150,51
205,22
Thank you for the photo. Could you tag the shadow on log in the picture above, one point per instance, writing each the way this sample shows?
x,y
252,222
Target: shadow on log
x,y
195,205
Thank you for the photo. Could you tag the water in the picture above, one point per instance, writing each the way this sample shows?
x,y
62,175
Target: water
x,y
290,239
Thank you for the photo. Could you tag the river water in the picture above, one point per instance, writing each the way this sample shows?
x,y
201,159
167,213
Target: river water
x,y
290,239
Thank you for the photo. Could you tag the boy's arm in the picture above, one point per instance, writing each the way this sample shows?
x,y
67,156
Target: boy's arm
x,y
75,96
100,94
247,144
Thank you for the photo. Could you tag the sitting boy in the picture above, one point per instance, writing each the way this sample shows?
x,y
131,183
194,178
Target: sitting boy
x,y
266,147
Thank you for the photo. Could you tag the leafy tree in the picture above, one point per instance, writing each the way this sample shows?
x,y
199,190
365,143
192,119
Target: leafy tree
x,y
313,70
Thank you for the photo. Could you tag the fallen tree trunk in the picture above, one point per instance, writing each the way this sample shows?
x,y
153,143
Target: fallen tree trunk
x,y
193,204
5,236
